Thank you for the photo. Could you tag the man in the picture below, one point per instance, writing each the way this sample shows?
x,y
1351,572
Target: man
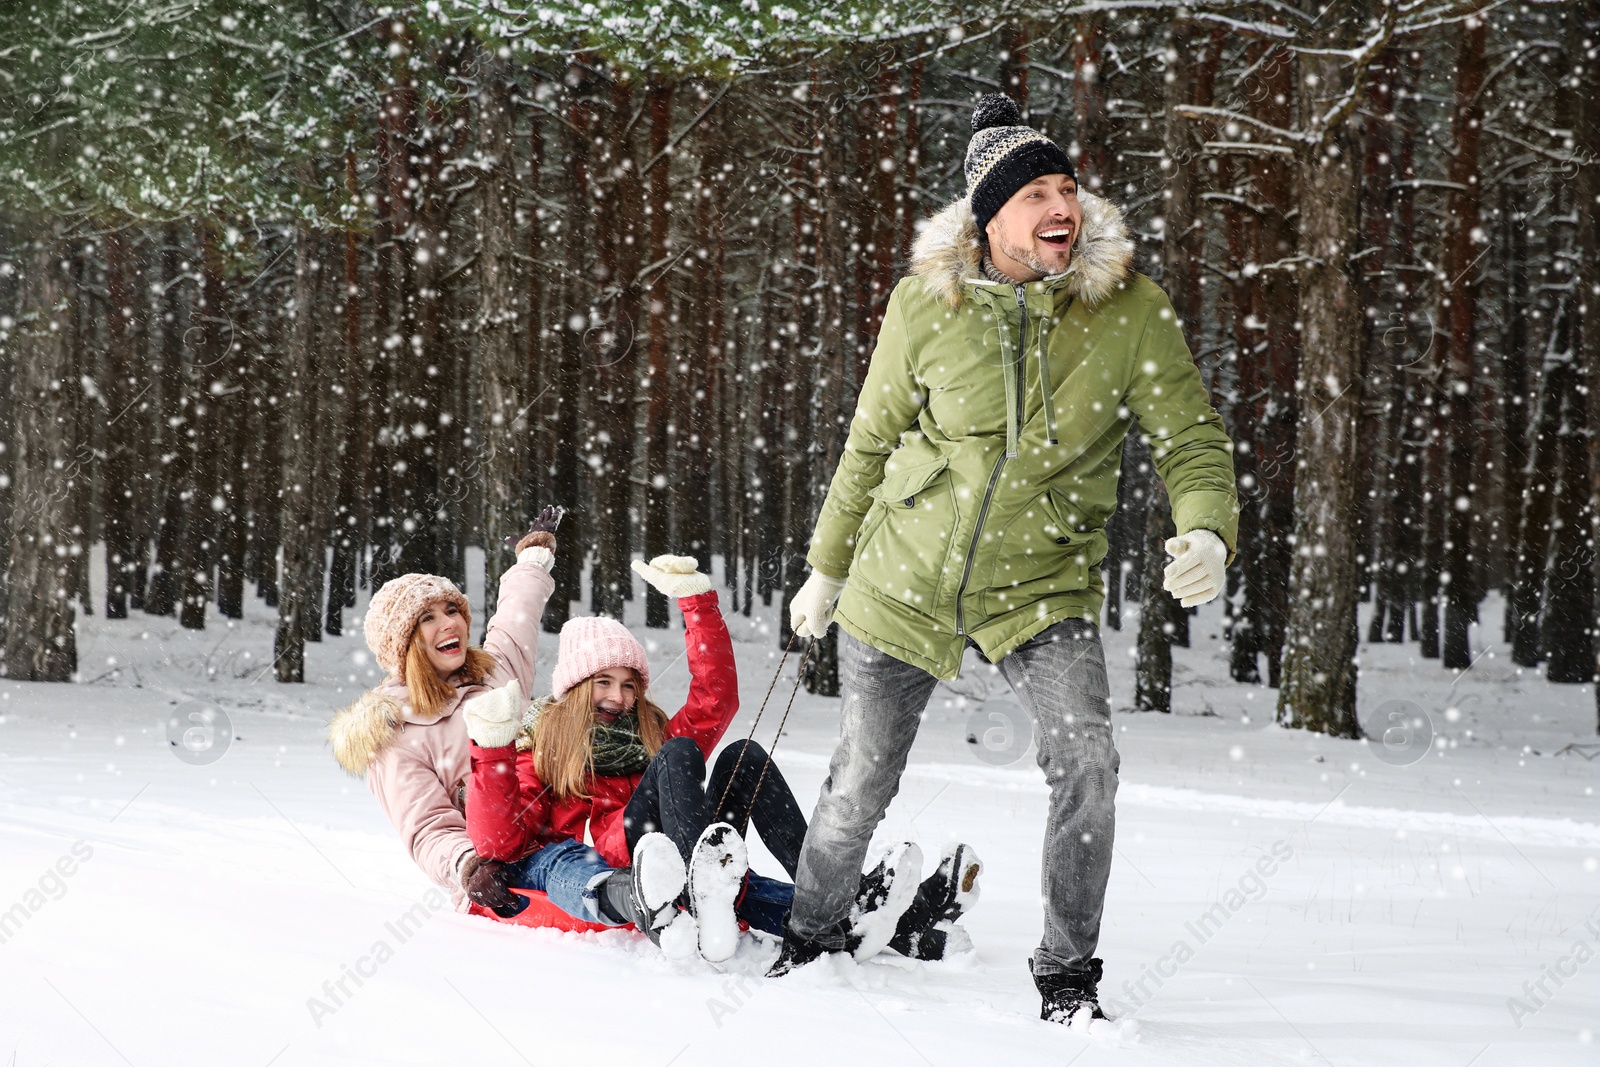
x,y
970,505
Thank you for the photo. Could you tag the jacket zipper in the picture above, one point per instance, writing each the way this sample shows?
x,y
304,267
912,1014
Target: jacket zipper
x,y
994,476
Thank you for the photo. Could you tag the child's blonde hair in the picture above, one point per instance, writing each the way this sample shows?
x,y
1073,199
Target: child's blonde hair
x,y
563,741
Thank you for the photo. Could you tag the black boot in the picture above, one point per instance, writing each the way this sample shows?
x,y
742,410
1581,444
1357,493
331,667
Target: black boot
x,y
647,893
1064,995
942,898
616,898
882,898
799,951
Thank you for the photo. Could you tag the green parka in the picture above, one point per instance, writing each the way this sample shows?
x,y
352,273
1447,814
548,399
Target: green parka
x,y
981,468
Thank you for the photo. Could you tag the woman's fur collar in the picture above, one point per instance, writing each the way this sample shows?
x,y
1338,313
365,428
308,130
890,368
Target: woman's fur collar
x,y
360,732
947,255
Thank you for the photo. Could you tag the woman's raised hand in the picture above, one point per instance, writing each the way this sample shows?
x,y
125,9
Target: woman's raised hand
x,y
675,576
541,532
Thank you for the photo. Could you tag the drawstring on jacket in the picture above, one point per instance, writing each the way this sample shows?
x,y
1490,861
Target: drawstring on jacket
x,y
1046,388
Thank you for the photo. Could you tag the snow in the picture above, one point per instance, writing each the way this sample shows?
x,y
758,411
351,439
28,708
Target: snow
x,y
1277,897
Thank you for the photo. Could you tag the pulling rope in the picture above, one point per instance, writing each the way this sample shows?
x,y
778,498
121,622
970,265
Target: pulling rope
x,y
734,774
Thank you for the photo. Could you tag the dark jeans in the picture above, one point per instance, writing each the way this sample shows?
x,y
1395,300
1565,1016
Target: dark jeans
x,y
671,799
1060,677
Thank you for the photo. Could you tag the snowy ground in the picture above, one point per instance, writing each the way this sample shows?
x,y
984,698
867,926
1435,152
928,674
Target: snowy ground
x,y
154,912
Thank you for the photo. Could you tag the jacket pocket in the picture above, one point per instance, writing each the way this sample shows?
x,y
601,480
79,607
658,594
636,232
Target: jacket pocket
x,y
1076,531
1036,554
905,539
900,489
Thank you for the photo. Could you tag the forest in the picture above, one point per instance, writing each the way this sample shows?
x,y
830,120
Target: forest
x,y
296,297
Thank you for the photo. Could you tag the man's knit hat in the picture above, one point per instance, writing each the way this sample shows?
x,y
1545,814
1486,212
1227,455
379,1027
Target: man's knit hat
x,y
592,644
1005,155
392,615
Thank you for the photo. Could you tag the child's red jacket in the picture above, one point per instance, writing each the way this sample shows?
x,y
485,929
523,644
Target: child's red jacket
x,y
510,812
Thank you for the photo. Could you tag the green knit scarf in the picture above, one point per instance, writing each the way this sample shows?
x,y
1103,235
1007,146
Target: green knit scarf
x,y
617,746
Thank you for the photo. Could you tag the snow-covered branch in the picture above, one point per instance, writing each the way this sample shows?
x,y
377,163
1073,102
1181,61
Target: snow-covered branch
x,y
1222,115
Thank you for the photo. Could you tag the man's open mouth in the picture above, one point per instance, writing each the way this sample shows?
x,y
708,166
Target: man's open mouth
x,y
449,645
1057,236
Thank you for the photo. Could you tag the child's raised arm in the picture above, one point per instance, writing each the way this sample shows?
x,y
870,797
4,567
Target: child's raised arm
x,y
713,675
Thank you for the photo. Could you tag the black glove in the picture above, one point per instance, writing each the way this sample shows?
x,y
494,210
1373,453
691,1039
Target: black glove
x,y
546,522
488,885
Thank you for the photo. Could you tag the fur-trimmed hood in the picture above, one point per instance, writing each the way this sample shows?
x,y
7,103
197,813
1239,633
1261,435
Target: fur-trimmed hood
x,y
361,731
947,255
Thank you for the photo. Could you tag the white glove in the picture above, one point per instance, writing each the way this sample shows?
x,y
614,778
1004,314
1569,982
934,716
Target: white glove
x,y
676,576
537,555
494,718
1195,574
811,610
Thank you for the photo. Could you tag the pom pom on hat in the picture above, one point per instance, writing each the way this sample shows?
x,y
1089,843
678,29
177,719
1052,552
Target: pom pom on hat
x,y
996,109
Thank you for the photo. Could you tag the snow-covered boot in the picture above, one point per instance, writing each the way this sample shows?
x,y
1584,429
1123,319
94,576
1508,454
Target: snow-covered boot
x,y
647,893
886,892
925,930
717,867
1065,995
799,951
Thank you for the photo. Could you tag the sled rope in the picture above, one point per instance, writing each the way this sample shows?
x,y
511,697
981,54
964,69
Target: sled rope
x,y
798,675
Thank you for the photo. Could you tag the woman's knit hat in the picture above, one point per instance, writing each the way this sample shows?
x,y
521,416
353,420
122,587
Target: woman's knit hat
x,y
1005,155
392,615
592,644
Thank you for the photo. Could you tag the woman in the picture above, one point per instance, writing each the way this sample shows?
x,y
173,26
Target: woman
x,y
405,738
599,753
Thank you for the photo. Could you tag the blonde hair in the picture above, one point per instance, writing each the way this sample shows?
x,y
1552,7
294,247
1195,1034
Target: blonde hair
x,y
563,743
430,694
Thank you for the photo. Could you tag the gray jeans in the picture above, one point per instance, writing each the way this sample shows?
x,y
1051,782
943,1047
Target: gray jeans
x,y
1060,677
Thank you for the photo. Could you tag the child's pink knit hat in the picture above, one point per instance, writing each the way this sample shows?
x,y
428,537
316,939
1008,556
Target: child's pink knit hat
x,y
592,644
392,615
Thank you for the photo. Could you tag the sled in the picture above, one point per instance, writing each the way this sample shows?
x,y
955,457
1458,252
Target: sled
x,y
543,914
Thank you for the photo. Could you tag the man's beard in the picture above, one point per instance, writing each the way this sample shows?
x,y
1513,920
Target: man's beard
x,y
1029,258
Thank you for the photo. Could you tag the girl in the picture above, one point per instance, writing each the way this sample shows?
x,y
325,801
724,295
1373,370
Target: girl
x,y
405,739
599,752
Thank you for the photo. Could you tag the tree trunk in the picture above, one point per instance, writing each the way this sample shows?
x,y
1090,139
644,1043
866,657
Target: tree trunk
x,y
620,246
832,386
659,379
1090,145
1522,597
46,473
569,371
348,534
177,416
500,368
298,537
1568,635
541,357
1272,101
235,445
1153,668
1580,29
1319,654
197,548
1458,306
1380,423
1409,440
1190,80
123,373
1569,616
